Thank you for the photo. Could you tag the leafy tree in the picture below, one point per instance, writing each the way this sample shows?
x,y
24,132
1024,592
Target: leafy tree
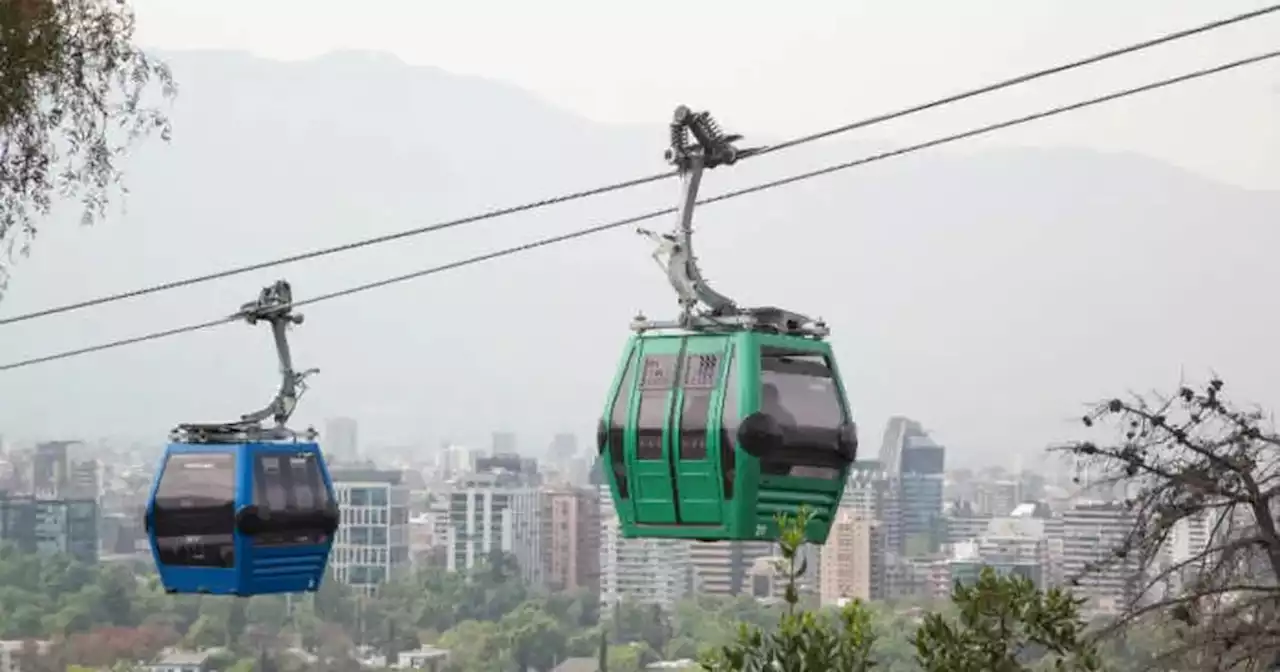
x,y
998,624
488,621
1193,459
1006,625
104,647
473,645
335,649
73,98
804,641
647,625
625,658
533,638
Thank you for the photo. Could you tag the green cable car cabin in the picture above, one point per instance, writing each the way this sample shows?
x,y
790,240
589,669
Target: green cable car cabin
x,y
722,419
710,436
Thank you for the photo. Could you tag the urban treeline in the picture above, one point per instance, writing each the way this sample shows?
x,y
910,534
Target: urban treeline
x,y
1188,456
114,616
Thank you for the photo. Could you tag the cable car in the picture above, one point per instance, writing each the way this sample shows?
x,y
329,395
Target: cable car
x,y
240,508
727,416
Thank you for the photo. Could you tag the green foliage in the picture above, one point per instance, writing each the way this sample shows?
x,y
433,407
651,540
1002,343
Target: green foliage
x,y
111,616
1006,625
803,641
72,98
998,624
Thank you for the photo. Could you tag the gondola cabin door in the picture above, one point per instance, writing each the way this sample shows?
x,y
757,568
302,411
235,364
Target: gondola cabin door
x,y
674,468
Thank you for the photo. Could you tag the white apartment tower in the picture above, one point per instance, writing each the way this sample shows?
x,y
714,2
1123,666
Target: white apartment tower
x,y
495,513
1091,532
372,543
640,571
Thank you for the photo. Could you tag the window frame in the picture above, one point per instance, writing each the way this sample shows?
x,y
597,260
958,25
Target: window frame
x,y
213,546
806,364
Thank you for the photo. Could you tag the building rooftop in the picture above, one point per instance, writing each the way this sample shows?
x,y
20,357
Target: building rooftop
x,y
365,475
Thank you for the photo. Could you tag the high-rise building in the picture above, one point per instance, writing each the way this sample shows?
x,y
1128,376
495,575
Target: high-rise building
x,y
876,494
65,470
50,469
1190,537
572,548
724,568
523,468
998,498
372,544
641,571
1091,532
48,526
1011,545
926,577
454,460
496,512
917,463
848,561
966,526
768,577
341,440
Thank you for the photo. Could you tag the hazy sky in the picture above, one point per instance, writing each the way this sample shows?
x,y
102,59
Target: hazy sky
x,y
925,310
814,64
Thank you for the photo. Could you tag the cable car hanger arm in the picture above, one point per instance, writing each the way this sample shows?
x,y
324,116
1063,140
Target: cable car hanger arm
x,y
711,148
275,307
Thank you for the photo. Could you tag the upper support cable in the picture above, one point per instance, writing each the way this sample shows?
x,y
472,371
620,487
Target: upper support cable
x,y
274,306
698,143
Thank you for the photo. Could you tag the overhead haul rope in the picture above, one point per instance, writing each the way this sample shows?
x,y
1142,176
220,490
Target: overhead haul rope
x,y
627,184
764,186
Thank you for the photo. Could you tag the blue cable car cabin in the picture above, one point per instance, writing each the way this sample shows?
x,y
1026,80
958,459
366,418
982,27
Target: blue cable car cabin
x,y
242,509
242,519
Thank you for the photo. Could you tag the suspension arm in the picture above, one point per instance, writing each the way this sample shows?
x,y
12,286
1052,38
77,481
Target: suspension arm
x,y
275,307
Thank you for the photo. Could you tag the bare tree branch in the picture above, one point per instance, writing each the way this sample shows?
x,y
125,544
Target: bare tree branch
x,y
1201,478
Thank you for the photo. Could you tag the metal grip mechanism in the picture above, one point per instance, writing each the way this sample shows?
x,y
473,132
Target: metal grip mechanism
x,y
698,143
713,147
275,307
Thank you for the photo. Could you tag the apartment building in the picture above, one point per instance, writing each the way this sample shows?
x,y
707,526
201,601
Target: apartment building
x,y
372,544
723,568
1091,531
573,538
643,571
498,511
848,561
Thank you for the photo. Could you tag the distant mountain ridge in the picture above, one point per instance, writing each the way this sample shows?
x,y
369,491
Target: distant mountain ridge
x,y
985,293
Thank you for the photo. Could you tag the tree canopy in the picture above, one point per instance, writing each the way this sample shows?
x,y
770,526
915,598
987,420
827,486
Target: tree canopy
x,y
73,97
998,624
114,615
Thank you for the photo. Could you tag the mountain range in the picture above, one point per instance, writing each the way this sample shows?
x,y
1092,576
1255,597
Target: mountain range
x,y
985,293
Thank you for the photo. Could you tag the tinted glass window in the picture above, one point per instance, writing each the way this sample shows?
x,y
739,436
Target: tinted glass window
x,y
618,425
289,489
700,375
799,390
198,479
656,380
194,510
729,426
